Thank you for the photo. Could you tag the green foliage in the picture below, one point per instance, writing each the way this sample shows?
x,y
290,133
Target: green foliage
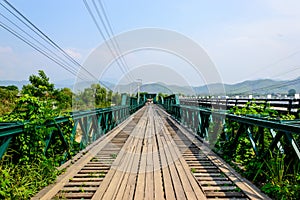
x,y
116,99
30,161
255,110
63,98
30,145
28,169
23,181
8,95
27,166
93,97
39,86
279,184
291,93
272,173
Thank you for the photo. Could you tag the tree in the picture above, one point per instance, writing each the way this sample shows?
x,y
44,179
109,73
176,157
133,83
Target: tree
x,y
12,88
63,98
102,97
116,99
39,86
94,96
8,96
291,93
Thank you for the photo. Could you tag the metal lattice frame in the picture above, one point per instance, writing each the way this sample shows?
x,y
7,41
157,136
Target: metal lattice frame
x,y
92,124
199,120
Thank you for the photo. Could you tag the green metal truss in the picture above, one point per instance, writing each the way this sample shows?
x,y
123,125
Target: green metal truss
x,y
92,124
285,134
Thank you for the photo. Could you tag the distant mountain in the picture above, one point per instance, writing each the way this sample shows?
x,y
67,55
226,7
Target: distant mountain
x,y
256,87
264,86
259,87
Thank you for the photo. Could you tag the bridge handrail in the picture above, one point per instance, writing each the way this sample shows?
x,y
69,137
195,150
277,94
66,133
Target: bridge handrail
x,y
290,105
12,128
94,122
282,125
198,118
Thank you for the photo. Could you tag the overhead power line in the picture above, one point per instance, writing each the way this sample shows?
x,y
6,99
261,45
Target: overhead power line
x,y
115,41
35,47
113,45
57,55
54,56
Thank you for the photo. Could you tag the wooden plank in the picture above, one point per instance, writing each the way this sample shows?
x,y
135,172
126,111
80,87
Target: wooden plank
x,y
247,187
82,171
118,178
193,190
79,189
209,178
149,189
215,188
139,139
127,188
132,176
89,175
172,164
158,184
90,179
50,191
114,176
183,171
224,194
107,188
215,182
167,181
75,195
149,184
79,184
141,179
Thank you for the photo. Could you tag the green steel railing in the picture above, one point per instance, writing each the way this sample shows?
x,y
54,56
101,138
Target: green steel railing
x,y
283,105
90,124
282,135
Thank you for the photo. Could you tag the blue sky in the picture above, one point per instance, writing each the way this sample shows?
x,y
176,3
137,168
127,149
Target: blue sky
x,y
244,39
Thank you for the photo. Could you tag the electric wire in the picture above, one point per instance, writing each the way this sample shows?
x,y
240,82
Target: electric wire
x,y
110,34
115,42
49,41
34,47
103,35
61,61
70,68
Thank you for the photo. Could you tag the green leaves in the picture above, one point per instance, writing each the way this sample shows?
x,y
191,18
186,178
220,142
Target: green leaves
x,y
8,95
94,97
23,181
27,166
272,173
39,86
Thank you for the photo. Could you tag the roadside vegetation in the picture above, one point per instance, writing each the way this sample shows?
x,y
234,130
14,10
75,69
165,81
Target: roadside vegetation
x,y
277,174
25,167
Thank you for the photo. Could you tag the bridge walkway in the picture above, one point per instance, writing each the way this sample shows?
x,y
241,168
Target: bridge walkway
x,y
149,156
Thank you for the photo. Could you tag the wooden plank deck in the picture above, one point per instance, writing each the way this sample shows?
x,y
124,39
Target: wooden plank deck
x,y
151,162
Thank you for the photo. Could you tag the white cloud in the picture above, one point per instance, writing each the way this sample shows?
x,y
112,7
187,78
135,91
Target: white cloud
x,y
73,53
260,48
6,49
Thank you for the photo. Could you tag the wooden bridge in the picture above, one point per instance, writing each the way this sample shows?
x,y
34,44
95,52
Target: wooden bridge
x,y
149,156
